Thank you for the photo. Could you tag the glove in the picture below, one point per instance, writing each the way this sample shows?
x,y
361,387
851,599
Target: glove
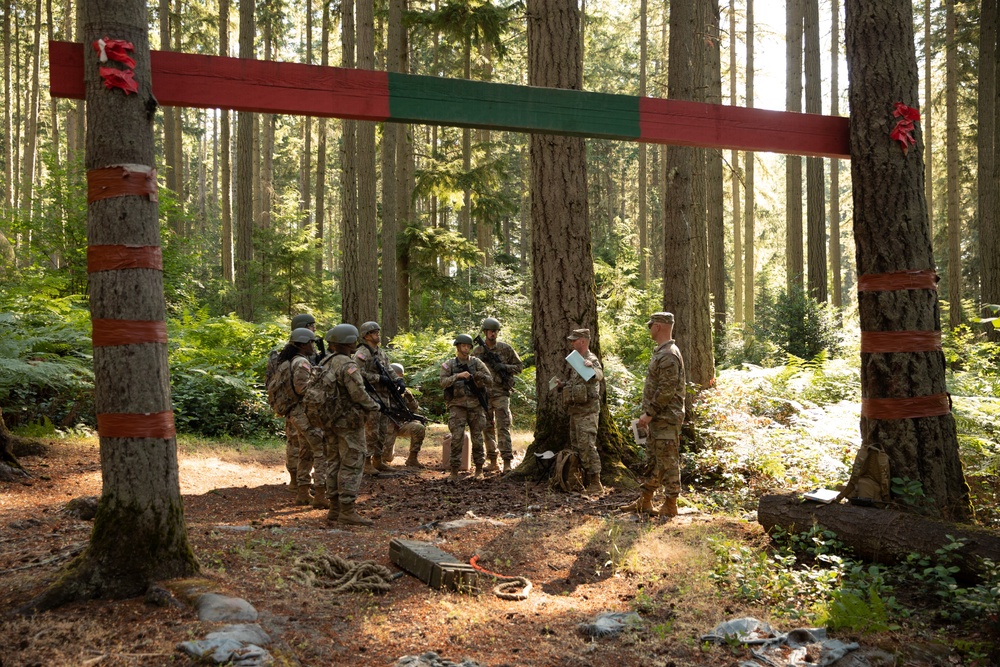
x,y
400,385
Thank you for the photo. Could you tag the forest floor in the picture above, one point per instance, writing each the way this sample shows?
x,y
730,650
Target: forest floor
x,y
582,555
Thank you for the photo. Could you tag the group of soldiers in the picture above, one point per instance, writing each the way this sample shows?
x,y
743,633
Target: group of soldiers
x,y
376,407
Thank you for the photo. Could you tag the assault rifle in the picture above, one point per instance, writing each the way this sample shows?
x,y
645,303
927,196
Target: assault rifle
x,y
398,411
494,360
479,392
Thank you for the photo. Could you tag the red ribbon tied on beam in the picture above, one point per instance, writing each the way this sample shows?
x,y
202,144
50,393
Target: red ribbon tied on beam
x,y
119,78
903,131
114,49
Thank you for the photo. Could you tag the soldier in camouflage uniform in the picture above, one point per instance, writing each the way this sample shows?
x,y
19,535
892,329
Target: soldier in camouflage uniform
x,y
413,429
368,357
345,444
583,404
663,415
311,454
295,447
505,363
458,377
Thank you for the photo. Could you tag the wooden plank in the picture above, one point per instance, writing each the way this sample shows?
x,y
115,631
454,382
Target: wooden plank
x,y
184,79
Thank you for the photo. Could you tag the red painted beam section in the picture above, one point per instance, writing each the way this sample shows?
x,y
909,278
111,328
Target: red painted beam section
x,y
685,123
192,80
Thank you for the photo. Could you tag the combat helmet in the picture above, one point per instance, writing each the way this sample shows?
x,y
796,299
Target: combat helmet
x,y
398,368
302,321
369,327
463,338
302,335
490,324
342,334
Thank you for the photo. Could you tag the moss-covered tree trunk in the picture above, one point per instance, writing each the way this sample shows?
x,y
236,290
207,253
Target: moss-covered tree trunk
x,y
10,468
139,534
892,234
563,289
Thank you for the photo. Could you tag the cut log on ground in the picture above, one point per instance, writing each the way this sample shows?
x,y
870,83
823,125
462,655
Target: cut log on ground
x,y
880,535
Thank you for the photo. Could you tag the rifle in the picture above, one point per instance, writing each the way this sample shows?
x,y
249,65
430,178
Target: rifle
x,y
480,392
397,396
494,359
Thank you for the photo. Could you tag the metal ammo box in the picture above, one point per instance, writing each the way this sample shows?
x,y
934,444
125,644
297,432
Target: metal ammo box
x,y
436,568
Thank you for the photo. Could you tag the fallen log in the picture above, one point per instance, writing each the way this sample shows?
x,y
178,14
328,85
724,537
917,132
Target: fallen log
x,y
880,535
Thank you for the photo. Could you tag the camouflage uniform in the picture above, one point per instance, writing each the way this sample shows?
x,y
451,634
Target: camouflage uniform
x,y
499,399
415,430
464,408
583,405
345,444
309,437
663,400
377,427
292,445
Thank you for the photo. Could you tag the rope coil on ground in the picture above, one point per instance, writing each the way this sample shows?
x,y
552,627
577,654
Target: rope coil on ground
x,y
340,575
509,588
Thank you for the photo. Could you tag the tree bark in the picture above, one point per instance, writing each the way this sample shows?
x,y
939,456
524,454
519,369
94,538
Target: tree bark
x,y
8,136
31,135
368,266
10,467
926,115
793,163
267,120
321,158
734,159
244,181
169,158
404,190
954,281
643,221
989,170
350,251
139,535
390,182
749,261
815,178
880,535
892,233
837,295
226,157
713,166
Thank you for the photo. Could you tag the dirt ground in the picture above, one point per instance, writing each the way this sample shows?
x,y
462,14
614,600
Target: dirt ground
x,y
582,556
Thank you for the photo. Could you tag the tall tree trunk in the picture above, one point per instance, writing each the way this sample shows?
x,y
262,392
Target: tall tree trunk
x,y
244,181
734,158
749,262
951,147
321,151
892,234
8,135
404,184
815,178
390,182
713,164
368,266
837,296
563,289
351,253
643,222
31,136
484,228
170,159
267,120
793,163
989,184
139,534
927,113
176,32
226,157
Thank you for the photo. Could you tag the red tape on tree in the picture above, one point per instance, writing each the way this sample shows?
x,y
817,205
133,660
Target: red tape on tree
x,y
900,341
120,181
124,425
935,405
115,257
107,333
898,280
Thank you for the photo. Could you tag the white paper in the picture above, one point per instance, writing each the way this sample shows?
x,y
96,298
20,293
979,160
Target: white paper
x,y
640,434
821,495
553,383
575,359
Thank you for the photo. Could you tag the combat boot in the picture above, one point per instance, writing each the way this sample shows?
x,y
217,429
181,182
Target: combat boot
x,y
643,504
349,515
303,497
595,488
668,508
319,499
369,467
492,467
333,514
379,464
453,477
293,482
479,472
412,462
507,466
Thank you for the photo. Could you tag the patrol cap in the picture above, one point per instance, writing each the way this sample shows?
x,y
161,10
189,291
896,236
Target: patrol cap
x,y
302,321
490,324
579,333
463,338
398,368
369,327
342,334
660,318
302,335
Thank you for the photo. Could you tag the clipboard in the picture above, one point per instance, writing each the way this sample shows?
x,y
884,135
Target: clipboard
x,y
575,359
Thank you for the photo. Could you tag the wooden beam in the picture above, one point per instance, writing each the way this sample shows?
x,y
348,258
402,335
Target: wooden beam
x,y
191,80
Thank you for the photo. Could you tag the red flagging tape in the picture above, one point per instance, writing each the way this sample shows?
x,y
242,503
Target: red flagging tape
x,y
128,332
900,341
125,425
898,280
121,180
935,405
114,257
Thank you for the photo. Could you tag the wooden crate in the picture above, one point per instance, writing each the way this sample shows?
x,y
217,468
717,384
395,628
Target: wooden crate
x,y
434,567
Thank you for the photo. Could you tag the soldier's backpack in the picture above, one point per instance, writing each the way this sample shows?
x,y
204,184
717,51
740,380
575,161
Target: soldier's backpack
x,y
567,473
281,394
321,398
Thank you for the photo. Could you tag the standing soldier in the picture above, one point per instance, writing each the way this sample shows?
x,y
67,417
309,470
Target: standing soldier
x,y
307,321
296,449
663,415
504,364
311,438
374,365
465,380
414,429
583,404
346,440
